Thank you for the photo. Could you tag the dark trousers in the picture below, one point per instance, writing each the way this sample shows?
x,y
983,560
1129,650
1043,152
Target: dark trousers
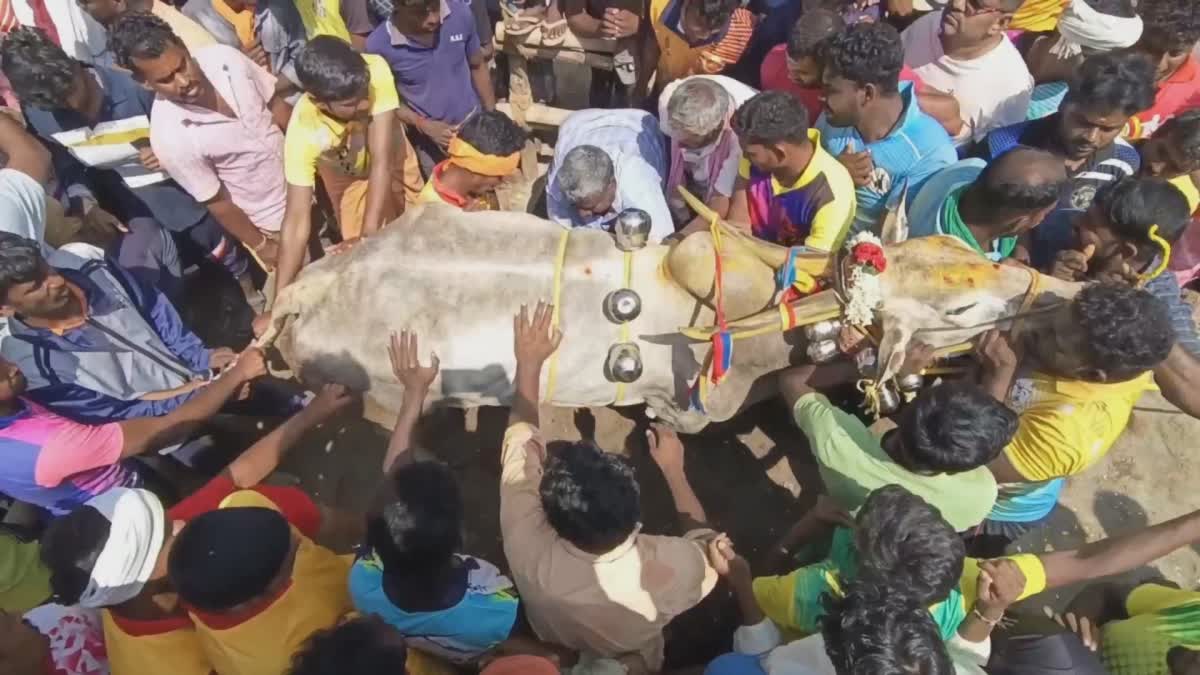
x,y
1039,646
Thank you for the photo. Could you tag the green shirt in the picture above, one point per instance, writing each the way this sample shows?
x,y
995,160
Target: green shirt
x,y
24,581
853,464
1159,618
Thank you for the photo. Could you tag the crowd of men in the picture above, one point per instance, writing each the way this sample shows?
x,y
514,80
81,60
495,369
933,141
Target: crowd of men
x,y
145,143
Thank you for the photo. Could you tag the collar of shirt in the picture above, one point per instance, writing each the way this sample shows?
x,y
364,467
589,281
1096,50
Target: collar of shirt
x,y
1186,73
810,172
401,40
449,196
617,553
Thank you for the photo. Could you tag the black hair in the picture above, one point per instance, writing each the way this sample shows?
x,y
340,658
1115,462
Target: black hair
x,y
139,35
20,262
1118,8
590,497
715,13
997,188
1183,131
420,528
71,545
226,557
902,538
1127,331
873,630
1113,81
356,647
330,70
867,53
952,428
771,117
493,133
1170,25
812,32
1131,206
40,72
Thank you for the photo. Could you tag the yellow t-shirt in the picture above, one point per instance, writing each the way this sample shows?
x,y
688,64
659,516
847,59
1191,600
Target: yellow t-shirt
x,y
1160,618
242,22
132,654
1038,15
190,33
322,17
316,598
1187,186
313,136
1067,425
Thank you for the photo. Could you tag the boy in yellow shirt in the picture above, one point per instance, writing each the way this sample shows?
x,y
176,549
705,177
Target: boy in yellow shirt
x,y
343,128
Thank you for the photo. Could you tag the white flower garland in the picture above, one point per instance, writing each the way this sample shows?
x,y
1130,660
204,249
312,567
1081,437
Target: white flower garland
x,y
864,290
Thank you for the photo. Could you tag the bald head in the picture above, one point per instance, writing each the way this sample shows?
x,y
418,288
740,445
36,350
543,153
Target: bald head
x,y
1020,183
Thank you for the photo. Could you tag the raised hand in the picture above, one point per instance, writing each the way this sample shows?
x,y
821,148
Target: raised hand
x,y
406,365
534,339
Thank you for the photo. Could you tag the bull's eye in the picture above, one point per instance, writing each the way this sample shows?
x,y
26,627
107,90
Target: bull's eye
x,y
960,310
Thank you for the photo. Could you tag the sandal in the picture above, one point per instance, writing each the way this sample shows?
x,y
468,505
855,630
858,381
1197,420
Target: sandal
x,y
623,64
517,24
554,33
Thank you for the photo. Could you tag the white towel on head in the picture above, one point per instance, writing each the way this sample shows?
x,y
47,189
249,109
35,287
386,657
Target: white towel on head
x,y
135,537
1081,26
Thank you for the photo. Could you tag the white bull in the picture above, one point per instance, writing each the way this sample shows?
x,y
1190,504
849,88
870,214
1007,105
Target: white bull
x,y
457,279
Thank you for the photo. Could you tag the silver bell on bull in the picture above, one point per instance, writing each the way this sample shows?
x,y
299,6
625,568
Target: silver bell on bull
x,y
623,304
889,400
632,229
624,363
823,330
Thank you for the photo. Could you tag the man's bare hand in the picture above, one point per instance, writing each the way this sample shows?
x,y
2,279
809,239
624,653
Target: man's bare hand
x,y
259,55
1085,628
859,164
250,364
331,399
268,252
221,357
918,357
619,23
665,447
102,221
148,159
535,339
720,553
437,131
406,365
1000,584
1072,265
260,324
996,352
827,510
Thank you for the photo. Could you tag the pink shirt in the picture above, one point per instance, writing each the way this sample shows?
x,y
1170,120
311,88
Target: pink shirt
x,y
774,76
202,149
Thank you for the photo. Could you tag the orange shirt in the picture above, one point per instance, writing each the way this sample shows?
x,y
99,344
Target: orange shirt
x,y
242,22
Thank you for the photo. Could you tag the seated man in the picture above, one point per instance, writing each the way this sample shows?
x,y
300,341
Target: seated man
x,y
1085,133
873,124
1074,389
990,206
607,161
963,50
440,71
789,190
1173,154
362,645
56,464
485,150
344,128
95,344
113,554
217,127
570,522
96,122
939,450
1169,39
694,114
797,66
899,537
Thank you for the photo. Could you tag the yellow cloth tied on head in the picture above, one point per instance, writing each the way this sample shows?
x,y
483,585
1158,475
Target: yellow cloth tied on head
x,y
464,155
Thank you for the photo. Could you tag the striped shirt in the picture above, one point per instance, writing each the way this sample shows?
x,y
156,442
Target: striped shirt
x,y
634,143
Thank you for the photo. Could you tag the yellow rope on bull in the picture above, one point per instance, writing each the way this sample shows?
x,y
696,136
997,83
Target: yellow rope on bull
x,y
559,261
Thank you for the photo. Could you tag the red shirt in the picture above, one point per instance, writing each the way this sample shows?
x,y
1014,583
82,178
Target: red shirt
x,y
774,74
1180,92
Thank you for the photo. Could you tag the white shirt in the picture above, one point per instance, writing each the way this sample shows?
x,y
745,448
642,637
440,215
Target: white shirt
x,y
992,90
82,37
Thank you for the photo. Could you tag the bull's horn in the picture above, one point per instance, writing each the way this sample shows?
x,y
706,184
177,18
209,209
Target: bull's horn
x,y
802,312
771,254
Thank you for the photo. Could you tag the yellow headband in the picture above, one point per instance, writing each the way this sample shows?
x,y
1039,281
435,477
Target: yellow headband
x,y
465,155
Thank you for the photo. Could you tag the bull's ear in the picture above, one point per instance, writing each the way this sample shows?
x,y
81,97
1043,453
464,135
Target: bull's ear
x,y
894,226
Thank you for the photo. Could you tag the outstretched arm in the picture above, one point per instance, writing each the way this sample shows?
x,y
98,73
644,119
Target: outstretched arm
x,y
534,341
416,379
667,451
256,463
1121,553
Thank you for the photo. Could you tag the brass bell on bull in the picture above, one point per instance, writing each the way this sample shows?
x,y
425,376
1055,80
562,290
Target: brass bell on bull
x,y
823,351
624,363
632,229
823,330
623,304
